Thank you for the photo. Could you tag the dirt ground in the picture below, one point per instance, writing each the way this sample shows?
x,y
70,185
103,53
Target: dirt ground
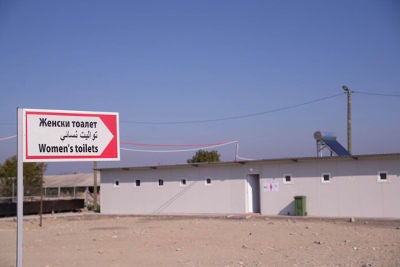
x,y
97,240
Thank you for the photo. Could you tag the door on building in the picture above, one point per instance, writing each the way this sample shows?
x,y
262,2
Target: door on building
x,y
253,193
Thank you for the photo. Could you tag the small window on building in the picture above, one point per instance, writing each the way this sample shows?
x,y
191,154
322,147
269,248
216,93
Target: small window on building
x,y
382,176
208,181
183,182
326,178
160,182
116,183
287,179
137,182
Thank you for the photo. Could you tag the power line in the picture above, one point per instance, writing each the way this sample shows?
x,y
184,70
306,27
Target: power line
x,y
376,94
178,150
172,145
242,158
239,116
7,137
246,115
204,146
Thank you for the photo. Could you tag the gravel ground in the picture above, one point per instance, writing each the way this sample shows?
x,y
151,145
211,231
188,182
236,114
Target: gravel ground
x,y
98,240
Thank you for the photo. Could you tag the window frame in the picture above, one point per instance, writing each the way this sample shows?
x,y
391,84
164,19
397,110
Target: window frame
x,y
138,183
379,177
287,175
183,182
323,178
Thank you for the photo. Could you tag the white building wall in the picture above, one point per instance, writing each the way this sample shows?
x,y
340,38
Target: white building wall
x,y
353,191
223,195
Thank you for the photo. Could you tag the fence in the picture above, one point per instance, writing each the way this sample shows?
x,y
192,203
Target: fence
x,y
8,209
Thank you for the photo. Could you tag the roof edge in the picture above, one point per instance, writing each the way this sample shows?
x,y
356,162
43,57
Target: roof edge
x,y
227,163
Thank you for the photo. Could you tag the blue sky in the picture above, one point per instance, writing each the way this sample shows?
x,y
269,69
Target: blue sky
x,y
180,61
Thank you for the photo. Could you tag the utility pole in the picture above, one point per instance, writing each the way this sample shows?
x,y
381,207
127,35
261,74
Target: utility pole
x,y
347,89
237,151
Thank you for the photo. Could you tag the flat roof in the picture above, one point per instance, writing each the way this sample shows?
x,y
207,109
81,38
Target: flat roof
x,y
70,180
265,161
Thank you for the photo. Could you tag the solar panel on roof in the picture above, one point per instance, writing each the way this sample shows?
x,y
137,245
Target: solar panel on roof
x,y
336,147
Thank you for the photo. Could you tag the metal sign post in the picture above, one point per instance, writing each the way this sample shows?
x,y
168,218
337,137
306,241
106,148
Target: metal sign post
x,y
41,194
20,186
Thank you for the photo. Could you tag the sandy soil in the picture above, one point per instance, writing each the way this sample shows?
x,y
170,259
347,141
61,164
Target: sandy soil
x,y
97,240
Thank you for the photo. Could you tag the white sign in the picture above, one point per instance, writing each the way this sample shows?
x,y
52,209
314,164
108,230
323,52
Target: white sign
x,y
52,135
271,187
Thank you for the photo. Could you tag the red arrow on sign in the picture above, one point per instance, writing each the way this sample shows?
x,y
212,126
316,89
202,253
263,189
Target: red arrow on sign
x,y
112,150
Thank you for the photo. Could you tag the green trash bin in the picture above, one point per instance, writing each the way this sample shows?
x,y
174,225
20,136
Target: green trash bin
x,y
300,205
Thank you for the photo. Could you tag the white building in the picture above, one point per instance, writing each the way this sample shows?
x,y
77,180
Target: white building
x,y
356,186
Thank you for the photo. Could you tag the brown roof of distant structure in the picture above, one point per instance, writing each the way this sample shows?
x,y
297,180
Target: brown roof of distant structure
x,y
70,180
